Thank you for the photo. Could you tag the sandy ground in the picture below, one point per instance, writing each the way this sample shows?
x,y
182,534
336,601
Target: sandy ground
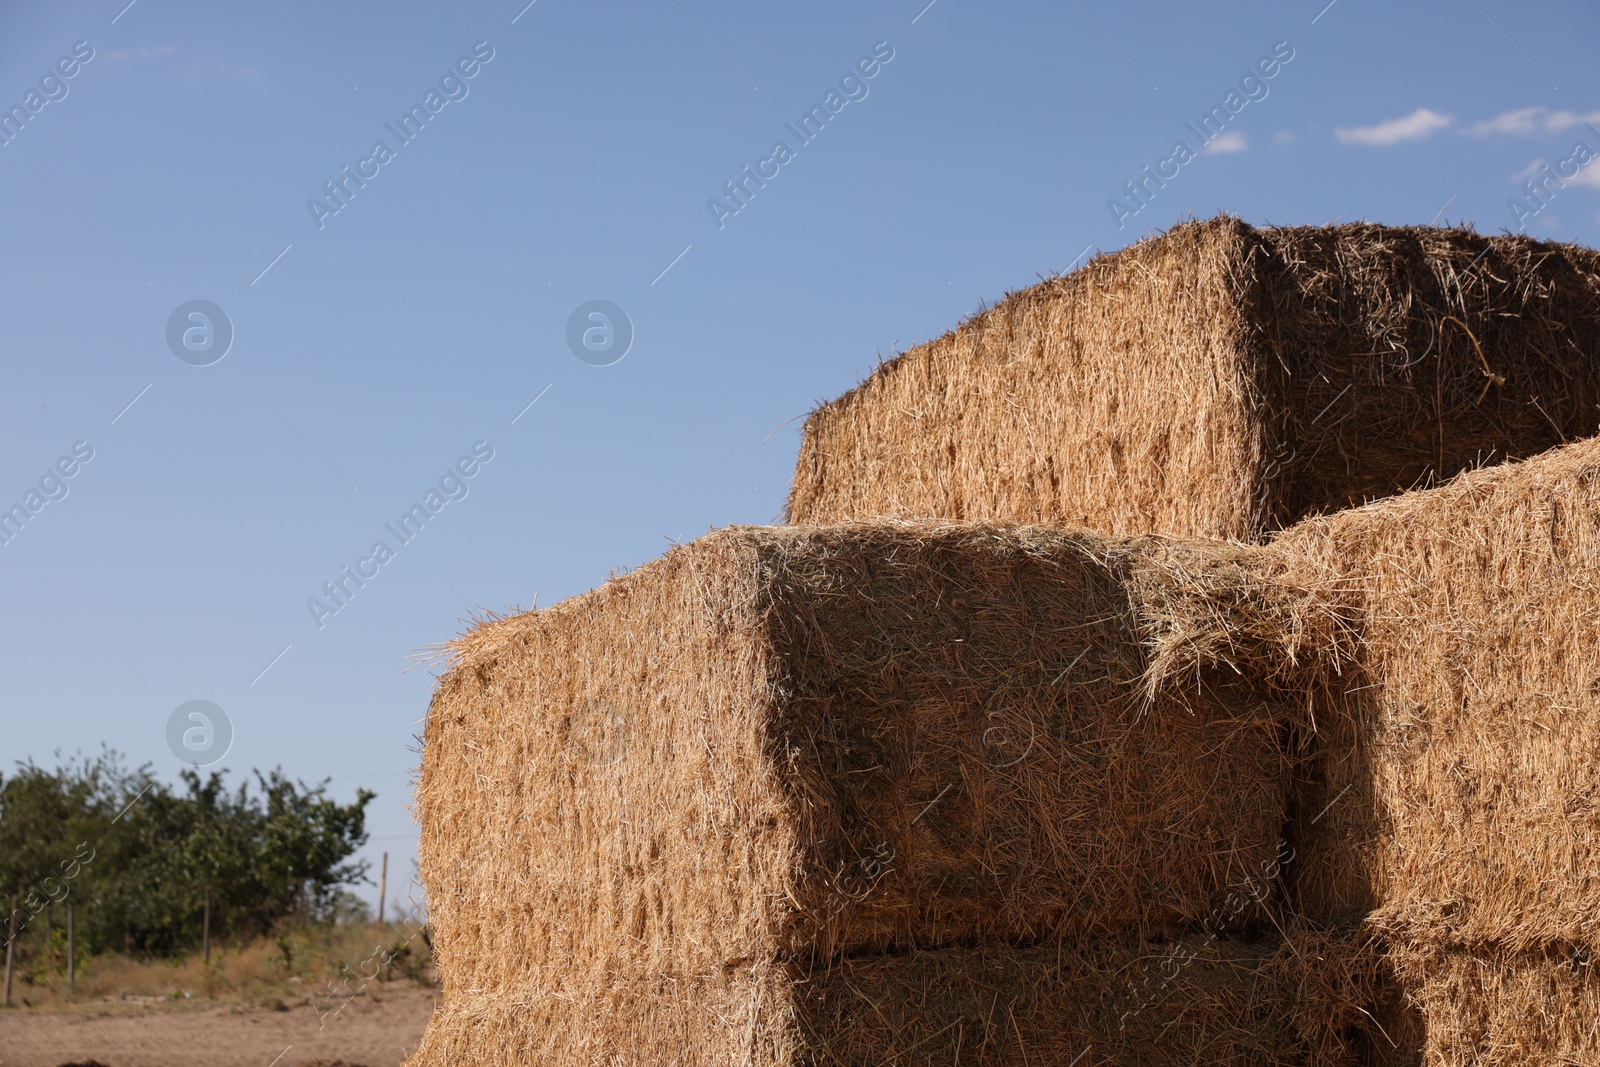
x,y
376,1030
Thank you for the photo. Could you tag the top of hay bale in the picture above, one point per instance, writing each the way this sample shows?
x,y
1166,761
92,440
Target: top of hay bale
x,y
1223,381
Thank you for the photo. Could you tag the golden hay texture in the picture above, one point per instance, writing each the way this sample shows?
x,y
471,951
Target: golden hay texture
x,y
1194,1000
1223,381
1456,759
784,742
1498,1008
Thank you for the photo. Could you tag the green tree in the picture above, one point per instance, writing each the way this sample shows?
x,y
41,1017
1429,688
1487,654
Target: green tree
x,y
136,855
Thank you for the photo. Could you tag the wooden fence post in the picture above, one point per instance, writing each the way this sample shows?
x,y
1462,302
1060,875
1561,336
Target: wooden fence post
x,y
11,950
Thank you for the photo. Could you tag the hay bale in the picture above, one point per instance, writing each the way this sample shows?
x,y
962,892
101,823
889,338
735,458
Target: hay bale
x,y
1223,381
1120,1001
1501,1008
791,742
1451,788
1338,987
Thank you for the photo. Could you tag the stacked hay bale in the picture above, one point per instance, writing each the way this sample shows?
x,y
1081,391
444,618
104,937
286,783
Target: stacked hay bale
x,y
748,803
1228,382
966,792
1223,381
1457,760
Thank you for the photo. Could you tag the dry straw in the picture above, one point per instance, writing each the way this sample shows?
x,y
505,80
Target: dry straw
x,y
1223,381
791,741
1499,1008
776,748
1317,998
1460,756
958,793
1447,792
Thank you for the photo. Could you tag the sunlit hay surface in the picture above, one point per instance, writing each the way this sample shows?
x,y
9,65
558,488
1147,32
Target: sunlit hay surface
x,y
1457,766
1315,997
1504,1008
1222,381
778,745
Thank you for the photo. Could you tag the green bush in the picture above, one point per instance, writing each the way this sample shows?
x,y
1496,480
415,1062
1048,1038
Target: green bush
x,y
135,855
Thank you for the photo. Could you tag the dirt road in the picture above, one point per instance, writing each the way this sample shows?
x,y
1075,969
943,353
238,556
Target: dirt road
x,y
372,1031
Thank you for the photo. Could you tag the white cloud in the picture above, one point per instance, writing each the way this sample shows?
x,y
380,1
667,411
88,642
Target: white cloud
x,y
1283,137
1232,141
1415,126
1522,121
1589,176
1527,172
1528,121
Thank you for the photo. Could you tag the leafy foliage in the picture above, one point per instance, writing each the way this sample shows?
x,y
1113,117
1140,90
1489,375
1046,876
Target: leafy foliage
x,y
136,855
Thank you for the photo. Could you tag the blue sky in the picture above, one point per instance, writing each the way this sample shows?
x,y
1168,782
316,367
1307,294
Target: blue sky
x,y
374,346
